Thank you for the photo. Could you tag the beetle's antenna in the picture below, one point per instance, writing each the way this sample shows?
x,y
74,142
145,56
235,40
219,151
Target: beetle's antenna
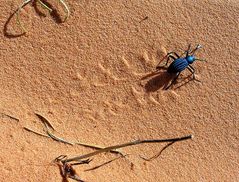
x,y
188,50
197,47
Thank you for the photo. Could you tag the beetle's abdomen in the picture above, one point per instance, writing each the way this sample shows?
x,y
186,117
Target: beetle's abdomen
x,y
178,65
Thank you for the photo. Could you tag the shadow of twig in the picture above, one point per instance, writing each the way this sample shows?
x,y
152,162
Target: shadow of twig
x,y
5,28
54,13
38,11
105,163
157,155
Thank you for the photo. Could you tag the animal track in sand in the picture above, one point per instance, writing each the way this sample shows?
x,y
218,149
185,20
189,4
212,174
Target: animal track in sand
x,y
136,73
104,109
146,85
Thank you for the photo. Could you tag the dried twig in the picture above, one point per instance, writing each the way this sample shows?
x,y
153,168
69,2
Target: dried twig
x,y
45,6
18,12
98,147
66,9
48,124
58,138
67,170
11,117
31,130
45,121
137,142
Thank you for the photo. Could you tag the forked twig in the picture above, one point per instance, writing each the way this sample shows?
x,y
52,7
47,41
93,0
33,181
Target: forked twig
x,y
67,170
137,142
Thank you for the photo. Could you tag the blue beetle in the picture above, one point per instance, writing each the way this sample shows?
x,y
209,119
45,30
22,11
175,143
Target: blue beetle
x,y
180,63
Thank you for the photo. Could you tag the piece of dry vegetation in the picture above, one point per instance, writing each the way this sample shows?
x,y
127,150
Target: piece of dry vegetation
x,y
44,5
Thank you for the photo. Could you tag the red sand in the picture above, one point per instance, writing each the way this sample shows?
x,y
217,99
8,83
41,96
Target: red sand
x,y
84,75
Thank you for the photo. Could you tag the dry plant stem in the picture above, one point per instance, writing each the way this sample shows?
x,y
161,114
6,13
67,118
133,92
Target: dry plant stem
x,y
11,117
51,135
35,132
126,145
45,121
45,6
66,9
98,148
18,12
57,138
22,6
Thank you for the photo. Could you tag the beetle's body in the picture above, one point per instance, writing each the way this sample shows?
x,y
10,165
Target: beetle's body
x,y
177,65
181,63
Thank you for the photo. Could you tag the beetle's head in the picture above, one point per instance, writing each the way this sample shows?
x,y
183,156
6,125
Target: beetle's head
x,y
190,55
190,59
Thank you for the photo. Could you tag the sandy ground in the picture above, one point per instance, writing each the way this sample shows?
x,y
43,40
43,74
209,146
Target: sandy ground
x,y
85,76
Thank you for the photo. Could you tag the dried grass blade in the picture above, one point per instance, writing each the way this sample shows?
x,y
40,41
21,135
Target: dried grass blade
x,y
45,6
57,138
31,130
98,147
66,9
45,121
11,117
126,145
18,12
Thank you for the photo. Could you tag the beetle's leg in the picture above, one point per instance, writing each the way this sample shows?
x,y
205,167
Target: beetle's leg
x,y
192,70
168,56
173,81
175,54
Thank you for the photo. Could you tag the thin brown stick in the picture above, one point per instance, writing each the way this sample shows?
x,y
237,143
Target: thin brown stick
x,y
11,117
45,121
126,145
54,137
98,148
18,12
35,132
